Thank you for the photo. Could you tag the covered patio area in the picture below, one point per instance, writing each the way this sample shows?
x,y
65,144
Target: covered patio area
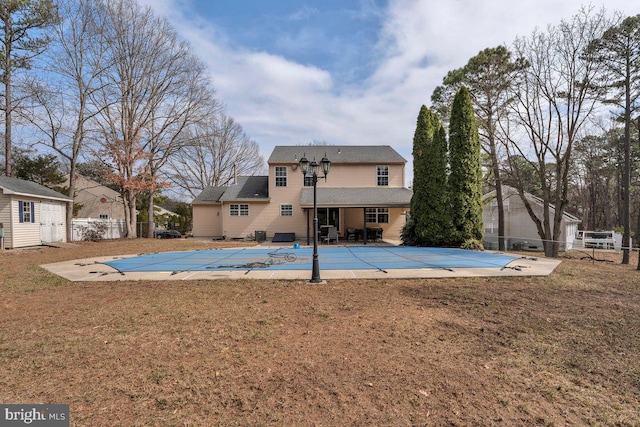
x,y
360,215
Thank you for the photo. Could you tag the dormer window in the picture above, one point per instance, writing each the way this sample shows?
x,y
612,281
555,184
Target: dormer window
x,y
383,175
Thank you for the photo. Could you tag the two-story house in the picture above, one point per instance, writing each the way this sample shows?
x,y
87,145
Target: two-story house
x,y
364,190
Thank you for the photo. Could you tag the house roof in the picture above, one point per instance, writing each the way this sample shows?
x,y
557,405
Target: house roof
x,y
509,191
358,197
375,154
210,195
248,188
20,187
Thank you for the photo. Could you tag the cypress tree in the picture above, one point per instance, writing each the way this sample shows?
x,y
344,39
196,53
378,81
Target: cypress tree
x,y
430,222
465,180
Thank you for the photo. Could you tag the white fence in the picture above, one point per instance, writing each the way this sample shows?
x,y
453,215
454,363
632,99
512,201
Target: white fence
x,y
116,228
600,240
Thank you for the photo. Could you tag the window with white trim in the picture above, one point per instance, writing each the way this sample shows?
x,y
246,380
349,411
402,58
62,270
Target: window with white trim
x,y
239,210
104,216
281,176
378,215
308,181
383,175
26,211
286,210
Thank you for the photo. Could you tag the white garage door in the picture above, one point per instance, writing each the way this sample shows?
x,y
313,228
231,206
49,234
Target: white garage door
x,y
51,222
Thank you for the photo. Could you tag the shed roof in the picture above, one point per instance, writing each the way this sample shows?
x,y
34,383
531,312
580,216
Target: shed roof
x,y
21,187
210,195
358,197
375,154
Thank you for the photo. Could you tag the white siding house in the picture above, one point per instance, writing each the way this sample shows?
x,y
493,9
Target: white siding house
x,y
520,230
30,213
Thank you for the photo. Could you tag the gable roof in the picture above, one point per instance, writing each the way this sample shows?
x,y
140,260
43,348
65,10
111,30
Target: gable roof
x,y
376,154
96,199
510,191
20,187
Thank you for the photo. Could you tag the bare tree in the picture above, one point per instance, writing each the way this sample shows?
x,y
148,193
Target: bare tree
x,y
593,180
62,109
148,97
554,97
190,99
220,149
19,20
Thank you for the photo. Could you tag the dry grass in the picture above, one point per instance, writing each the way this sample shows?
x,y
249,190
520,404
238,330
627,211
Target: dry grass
x,y
558,350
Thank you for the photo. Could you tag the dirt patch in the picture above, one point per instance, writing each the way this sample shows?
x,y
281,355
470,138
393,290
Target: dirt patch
x,y
557,350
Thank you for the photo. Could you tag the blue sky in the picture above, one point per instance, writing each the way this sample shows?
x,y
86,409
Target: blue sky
x,y
351,72
333,35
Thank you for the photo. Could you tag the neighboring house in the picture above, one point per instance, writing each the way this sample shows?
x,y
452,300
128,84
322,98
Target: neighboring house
x,y
31,214
363,190
96,200
164,218
520,230
98,203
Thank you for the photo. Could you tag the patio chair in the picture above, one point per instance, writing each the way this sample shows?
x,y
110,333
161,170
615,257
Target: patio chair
x,y
332,234
351,234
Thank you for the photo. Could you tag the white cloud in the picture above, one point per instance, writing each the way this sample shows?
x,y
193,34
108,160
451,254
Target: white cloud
x,y
281,102
303,13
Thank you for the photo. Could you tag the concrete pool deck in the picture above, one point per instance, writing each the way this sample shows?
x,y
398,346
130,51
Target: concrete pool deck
x,y
94,269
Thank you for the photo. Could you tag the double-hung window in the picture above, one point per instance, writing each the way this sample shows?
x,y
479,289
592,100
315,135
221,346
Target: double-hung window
x,y
383,175
281,176
378,215
238,210
26,211
286,210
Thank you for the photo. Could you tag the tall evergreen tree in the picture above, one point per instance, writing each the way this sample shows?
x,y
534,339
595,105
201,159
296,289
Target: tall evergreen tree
x,y
619,51
488,76
465,180
43,169
430,221
21,21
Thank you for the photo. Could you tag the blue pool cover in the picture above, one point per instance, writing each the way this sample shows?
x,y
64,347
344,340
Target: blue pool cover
x,y
336,258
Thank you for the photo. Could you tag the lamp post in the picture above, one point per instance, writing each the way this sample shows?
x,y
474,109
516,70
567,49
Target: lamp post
x,y
311,169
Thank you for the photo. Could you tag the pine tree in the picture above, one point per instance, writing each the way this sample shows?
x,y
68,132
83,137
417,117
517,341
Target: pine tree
x,y
430,222
465,180
21,25
619,51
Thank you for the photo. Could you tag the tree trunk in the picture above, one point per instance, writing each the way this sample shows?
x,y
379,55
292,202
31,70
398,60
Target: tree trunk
x,y
132,232
150,209
626,184
72,191
7,121
499,198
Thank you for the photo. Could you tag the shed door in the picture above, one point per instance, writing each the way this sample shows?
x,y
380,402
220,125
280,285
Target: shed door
x,y
51,222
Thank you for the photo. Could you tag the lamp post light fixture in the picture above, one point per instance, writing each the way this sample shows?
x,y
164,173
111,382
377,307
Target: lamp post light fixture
x,y
311,169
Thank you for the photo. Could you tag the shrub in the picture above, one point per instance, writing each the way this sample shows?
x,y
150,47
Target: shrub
x,y
472,244
408,234
94,232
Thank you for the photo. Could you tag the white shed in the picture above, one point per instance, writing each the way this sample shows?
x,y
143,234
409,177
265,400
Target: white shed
x,y
520,230
31,214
